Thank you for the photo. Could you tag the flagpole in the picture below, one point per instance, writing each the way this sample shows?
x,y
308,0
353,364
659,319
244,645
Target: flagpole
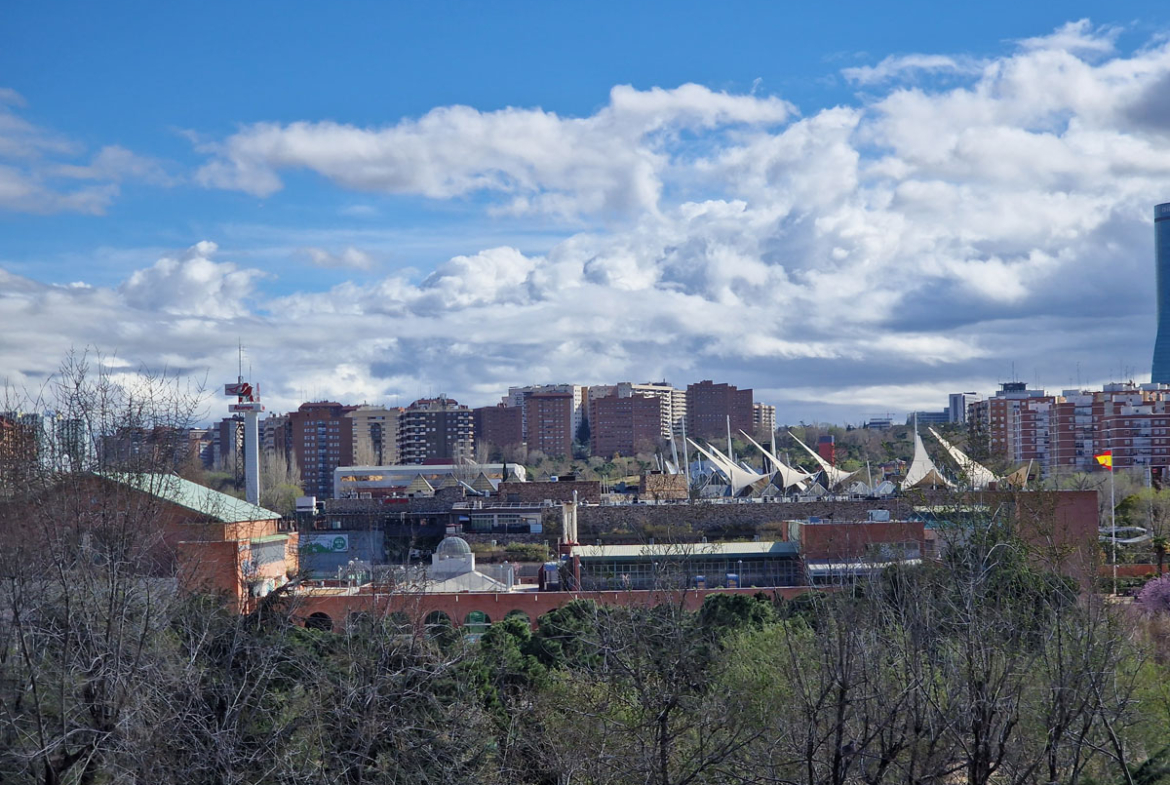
x,y
1113,524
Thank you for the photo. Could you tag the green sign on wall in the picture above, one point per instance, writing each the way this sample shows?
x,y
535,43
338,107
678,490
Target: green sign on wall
x,y
325,543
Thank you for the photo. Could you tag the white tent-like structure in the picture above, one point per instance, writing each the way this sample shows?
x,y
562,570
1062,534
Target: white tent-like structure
x,y
738,478
977,475
834,477
922,472
789,476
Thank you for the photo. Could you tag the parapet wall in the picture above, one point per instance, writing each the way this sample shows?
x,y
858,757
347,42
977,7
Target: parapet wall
x,y
588,492
744,518
1066,517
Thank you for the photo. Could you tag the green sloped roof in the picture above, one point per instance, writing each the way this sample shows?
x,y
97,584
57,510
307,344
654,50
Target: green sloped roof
x,y
197,498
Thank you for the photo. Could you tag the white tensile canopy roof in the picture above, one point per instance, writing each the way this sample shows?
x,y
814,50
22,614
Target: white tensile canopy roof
x,y
738,478
977,475
789,476
834,476
922,472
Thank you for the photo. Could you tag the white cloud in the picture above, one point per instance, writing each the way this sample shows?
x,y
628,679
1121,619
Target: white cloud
x,y
191,284
609,162
1078,36
116,163
348,258
899,66
34,161
854,259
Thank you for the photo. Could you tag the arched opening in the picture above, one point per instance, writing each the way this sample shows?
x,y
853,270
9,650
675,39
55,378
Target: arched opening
x,y
437,624
516,613
319,621
476,623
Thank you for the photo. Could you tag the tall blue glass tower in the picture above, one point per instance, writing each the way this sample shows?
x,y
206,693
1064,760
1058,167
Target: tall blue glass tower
x,y
1161,371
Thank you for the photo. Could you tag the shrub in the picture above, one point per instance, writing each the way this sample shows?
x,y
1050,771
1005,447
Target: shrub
x,y
1155,595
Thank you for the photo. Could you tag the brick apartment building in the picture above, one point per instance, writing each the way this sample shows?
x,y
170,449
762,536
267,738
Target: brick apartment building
x,y
624,424
1062,433
709,406
517,396
672,402
434,430
550,423
498,426
322,440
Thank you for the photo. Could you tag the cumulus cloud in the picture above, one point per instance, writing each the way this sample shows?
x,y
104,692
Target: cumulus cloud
x,y
191,284
538,161
844,262
37,165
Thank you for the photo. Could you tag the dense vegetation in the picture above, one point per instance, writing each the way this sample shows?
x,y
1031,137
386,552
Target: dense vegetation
x,y
979,669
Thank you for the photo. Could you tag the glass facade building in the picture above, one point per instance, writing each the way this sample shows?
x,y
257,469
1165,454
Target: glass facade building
x,y
1161,369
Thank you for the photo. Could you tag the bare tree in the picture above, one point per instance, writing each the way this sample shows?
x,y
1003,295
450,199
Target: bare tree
x,y
87,577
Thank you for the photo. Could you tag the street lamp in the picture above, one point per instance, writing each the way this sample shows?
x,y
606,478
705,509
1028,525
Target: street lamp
x,y
739,575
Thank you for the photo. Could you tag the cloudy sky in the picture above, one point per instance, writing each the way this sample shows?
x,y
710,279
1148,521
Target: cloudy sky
x,y
854,210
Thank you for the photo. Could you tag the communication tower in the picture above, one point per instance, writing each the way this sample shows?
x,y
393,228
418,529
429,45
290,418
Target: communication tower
x,y
248,403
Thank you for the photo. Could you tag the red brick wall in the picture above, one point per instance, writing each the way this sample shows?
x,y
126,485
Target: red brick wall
x,y
841,541
496,606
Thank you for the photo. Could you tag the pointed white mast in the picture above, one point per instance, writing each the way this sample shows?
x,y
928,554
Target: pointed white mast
x,y
789,475
737,477
673,450
833,475
978,476
922,470
730,449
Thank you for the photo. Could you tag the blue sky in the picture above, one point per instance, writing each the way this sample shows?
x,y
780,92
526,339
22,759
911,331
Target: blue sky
x,y
852,208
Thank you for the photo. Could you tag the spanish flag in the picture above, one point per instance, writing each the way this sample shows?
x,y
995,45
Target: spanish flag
x,y
1105,459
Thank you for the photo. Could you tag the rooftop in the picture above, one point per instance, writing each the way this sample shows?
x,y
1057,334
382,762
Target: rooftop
x,y
687,550
198,498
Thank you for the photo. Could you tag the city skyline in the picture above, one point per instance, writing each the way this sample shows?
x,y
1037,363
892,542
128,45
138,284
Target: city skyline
x,y
403,205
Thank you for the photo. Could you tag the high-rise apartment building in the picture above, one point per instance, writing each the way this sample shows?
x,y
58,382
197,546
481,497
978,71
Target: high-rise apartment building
x,y
322,440
276,435
52,440
1062,433
624,424
375,435
763,419
498,426
1160,373
135,448
709,406
958,404
550,423
672,403
228,443
436,430
995,425
517,395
